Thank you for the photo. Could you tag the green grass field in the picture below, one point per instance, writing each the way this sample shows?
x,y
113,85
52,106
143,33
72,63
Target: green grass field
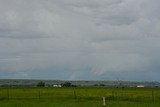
x,y
79,97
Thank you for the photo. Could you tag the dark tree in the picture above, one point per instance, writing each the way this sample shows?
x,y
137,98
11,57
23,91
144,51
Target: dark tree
x,y
102,85
41,84
67,84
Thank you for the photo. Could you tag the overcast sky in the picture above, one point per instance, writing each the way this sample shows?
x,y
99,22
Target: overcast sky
x,y
80,39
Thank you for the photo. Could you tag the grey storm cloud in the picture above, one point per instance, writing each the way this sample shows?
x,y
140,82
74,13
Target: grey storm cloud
x,y
70,39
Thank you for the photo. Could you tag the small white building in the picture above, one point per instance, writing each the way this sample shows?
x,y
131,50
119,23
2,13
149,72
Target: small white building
x,y
57,85
140,86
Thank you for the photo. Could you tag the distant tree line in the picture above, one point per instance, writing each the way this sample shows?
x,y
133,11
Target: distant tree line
x,y
65,84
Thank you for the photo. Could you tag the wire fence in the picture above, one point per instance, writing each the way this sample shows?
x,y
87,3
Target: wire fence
x,y
95,95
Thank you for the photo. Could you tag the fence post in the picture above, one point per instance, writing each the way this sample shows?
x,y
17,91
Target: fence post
x,y
104,102
152,95
8,93
75,96
39,94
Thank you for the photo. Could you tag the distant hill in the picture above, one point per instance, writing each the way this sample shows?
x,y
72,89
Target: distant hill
x,y
23,82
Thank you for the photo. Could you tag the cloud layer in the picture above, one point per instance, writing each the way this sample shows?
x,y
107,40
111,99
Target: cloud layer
x,y
86,39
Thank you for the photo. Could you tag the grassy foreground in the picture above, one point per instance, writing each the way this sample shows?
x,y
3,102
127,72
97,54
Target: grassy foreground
x,y
79,97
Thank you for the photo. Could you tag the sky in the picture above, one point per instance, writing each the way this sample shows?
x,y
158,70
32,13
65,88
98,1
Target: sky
x,y
80,39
